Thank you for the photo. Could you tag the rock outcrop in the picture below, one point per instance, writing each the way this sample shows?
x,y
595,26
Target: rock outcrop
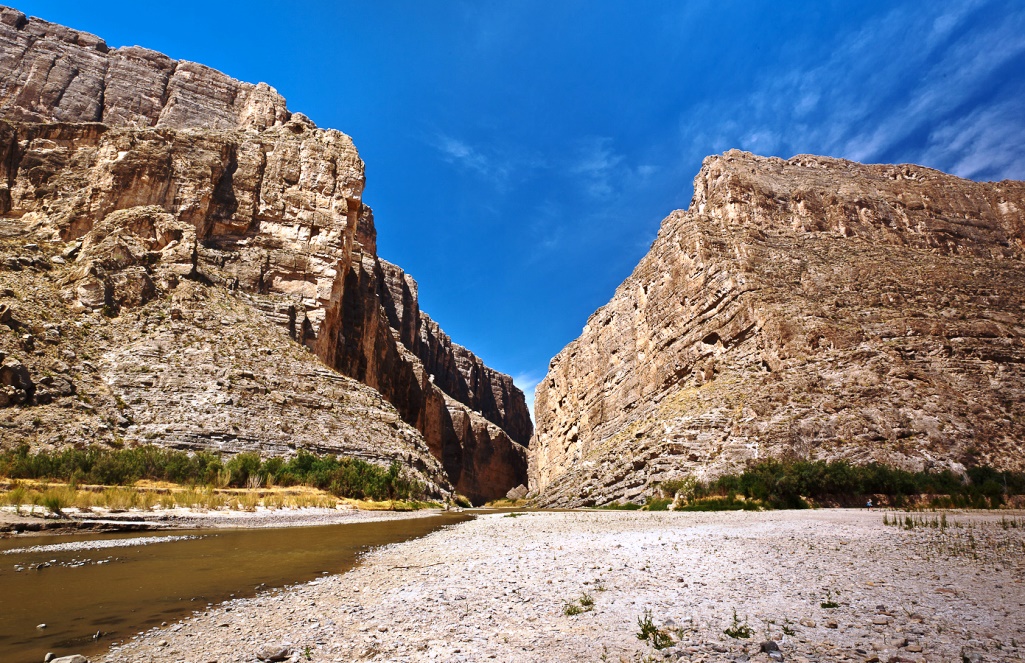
x,y
141,180
808,308
55,74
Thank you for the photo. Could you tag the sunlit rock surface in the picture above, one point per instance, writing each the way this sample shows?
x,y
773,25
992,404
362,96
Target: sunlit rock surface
x,y
809,308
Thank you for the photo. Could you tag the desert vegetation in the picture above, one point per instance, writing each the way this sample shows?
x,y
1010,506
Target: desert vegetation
x,y
779,484
147,476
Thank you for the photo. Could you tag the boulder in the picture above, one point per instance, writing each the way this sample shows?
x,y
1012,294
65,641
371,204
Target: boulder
x,y
273,652
517,493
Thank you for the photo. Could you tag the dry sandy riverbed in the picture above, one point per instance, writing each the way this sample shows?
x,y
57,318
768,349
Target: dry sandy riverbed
x,y
496,588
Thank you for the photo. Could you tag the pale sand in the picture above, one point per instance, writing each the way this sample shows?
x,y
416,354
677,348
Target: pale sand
x,y
495,589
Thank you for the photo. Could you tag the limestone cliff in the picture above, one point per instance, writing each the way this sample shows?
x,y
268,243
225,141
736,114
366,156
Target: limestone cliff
x,y
137,177
812,307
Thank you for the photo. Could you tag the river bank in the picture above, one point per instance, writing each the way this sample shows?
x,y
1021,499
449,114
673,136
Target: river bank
x,y
13,523
824,585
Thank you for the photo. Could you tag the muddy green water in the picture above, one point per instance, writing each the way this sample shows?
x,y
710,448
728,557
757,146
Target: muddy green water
x,y
120,591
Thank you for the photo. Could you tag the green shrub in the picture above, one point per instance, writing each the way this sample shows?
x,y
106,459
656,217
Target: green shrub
x,y
621,506
242,466
657,504
344,477
788,484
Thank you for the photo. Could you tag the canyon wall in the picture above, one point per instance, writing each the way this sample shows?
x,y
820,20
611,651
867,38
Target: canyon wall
x,y
135,177
808,308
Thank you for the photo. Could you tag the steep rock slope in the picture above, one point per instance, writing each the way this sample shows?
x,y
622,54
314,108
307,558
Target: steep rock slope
x,y
812,307
142,173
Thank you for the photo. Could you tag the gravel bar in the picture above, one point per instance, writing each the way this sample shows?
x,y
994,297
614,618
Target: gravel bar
x,y
823,585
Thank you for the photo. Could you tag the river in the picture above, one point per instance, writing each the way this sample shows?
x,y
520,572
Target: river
x,y
121,584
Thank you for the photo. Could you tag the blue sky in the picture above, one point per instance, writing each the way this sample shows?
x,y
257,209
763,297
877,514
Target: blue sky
x,y
521,154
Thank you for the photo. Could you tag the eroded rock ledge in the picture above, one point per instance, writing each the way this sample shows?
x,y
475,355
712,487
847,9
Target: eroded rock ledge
x,y
137,174
812,307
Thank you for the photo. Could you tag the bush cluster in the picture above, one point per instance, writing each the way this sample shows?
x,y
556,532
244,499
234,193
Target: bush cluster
x,y
782,484
343,477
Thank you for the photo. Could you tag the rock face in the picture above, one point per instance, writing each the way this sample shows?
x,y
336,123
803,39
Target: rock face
x,y
150,187
56,74
380,337
810,308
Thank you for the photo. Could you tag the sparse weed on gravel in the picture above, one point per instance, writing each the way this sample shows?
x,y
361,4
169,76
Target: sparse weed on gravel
x,y
910,521
1013,522
584,604
120,499
829,603
739,629
248,501
658,638
570,609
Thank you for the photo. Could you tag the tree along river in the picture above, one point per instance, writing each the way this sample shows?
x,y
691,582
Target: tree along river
x,y
120,584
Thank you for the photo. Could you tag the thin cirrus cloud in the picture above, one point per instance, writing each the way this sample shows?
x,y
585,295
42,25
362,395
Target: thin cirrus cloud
x,y
501,166
591,163
456,151
883,97
597,166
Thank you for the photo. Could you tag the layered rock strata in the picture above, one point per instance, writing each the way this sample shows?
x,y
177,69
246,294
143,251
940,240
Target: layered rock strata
x,y
140,174
809,308
477,454
195,367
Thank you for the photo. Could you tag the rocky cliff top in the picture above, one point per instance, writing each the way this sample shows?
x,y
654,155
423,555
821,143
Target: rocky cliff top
x,y
903,204
811,308
55,74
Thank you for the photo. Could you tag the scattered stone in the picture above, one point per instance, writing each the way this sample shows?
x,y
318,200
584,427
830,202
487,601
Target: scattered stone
x,y
272,652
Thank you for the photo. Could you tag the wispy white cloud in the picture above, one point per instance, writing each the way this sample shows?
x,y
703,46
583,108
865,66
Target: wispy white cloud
x,y
980,145
596,163
456,151
498,164
883,95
